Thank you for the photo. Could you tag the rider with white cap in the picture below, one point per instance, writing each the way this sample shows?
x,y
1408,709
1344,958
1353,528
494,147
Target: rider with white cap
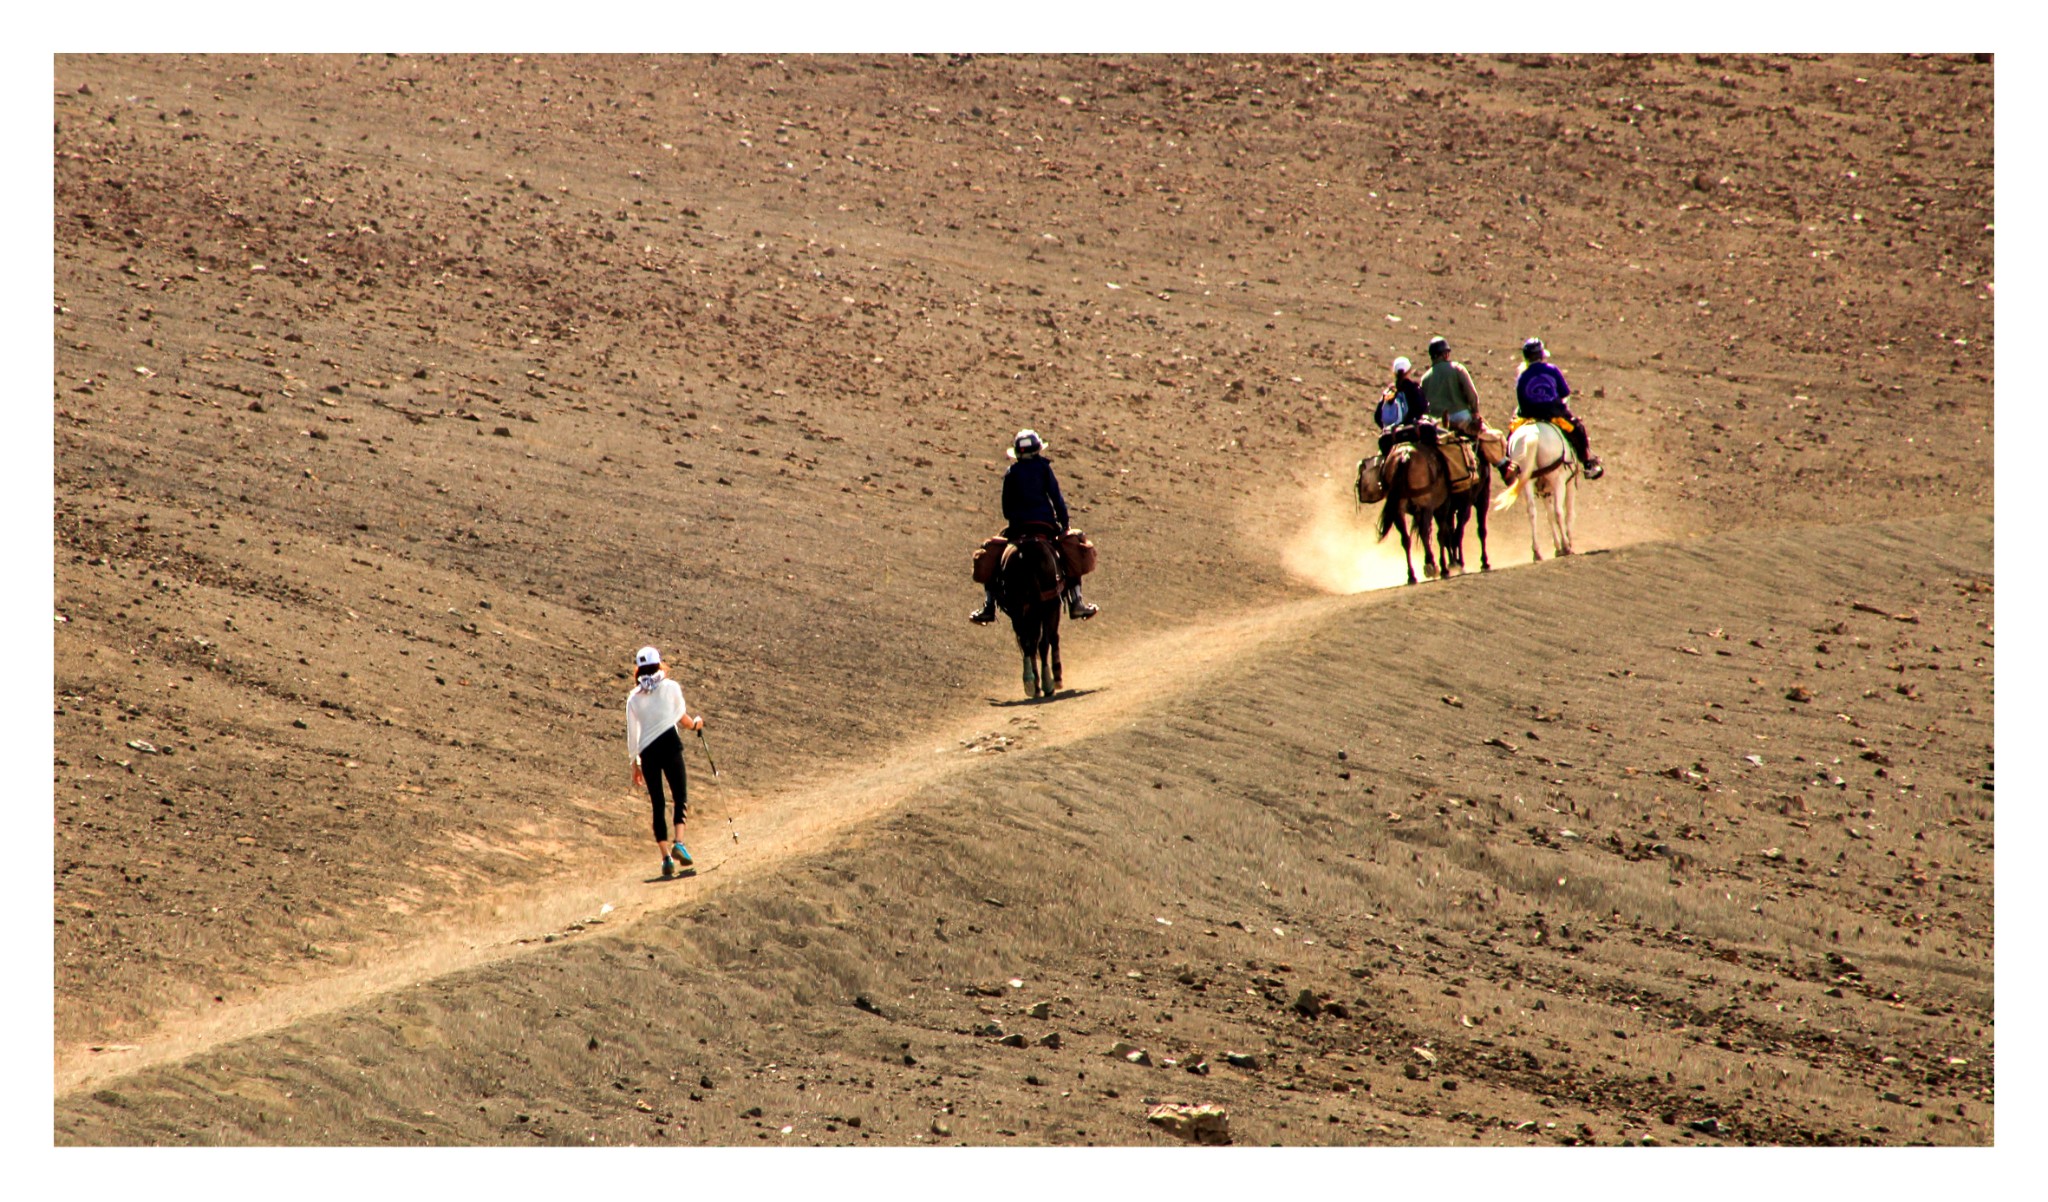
x,y
1400,404
1031,498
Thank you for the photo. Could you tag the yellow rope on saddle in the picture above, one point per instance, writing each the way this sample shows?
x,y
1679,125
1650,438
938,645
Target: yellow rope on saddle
x,y
1561,423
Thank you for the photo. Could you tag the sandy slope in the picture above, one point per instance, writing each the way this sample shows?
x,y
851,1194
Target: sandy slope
x,y
398,399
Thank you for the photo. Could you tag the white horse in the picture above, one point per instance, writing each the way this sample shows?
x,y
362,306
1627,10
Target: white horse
x,y
1551,471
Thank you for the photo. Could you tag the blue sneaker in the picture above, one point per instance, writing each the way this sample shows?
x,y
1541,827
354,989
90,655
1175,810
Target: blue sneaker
x,y
668,868
683,856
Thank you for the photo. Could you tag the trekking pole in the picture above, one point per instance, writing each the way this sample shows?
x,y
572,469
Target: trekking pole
x,y
707,751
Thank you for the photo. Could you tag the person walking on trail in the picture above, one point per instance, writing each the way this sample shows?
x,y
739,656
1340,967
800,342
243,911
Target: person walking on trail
x,y
654,715
1540,393
1032,504
1450,396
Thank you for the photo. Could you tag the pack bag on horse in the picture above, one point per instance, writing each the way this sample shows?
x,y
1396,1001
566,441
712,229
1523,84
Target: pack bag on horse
x,y
1034,507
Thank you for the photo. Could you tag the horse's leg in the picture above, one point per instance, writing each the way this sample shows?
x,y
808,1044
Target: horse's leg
x,y
1570,509
1485,503
1426,534
1535,543
1024,642
1401,522
1053,636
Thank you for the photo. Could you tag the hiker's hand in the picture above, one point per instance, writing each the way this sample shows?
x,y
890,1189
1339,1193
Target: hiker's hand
x,y
697,723
638,779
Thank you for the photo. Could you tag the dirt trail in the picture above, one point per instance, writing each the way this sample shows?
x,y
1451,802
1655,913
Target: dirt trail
x,y
764,830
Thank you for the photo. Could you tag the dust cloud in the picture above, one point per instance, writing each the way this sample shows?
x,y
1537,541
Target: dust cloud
x,y
1334,543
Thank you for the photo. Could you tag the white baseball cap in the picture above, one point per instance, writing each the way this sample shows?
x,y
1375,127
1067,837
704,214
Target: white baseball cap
x,y
1027,442
646,657
1401,365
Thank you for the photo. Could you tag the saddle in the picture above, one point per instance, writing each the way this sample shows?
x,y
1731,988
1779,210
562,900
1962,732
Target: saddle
x,y
1058,583
1076,553
1564,424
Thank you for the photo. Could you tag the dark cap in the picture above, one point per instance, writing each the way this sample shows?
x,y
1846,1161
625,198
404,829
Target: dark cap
x,y
1438,348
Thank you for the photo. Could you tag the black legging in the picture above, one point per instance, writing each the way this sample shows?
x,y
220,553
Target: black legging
x,y
665,755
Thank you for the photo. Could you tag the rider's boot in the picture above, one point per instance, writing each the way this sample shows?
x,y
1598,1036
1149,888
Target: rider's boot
x,y
1078,609
987,612
1578,436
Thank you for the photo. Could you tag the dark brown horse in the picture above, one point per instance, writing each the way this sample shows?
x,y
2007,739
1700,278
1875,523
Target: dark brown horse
x,y
1459,507
1417,485
1028,582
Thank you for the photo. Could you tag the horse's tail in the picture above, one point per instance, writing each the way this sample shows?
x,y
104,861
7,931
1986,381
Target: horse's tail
x,y
1396,487
1507,496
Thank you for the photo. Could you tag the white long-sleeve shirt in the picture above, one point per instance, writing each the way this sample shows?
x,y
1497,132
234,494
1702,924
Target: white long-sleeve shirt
x,y
649,714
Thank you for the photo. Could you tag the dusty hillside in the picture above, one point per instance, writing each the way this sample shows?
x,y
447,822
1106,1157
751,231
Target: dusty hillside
x,y
398,399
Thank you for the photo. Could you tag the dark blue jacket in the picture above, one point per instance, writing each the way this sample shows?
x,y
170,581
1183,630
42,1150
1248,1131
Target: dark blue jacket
x,y
1541,391
1031,493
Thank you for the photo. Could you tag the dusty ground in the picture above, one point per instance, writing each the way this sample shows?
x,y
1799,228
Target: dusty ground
x,y
399,398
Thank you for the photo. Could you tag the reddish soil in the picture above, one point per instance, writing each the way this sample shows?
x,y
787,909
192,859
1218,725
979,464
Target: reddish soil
x,y
398,399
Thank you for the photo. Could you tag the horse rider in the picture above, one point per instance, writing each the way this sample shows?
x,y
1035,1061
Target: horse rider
x,y
1451,398
1032,504
1400,405
1540,393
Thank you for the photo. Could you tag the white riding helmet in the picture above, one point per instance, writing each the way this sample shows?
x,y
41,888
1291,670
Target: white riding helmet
x,y
1402,365
1027,442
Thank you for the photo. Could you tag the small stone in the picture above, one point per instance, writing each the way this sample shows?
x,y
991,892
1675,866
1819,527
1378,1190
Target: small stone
x,y
1199,1067
1122,1048
1207,1123
1798,693
861,1001
1051,1039
1014,1041
704,1082
940,1127
1040,1010
1241,1060
1450,1084
1140,1057
1306,1005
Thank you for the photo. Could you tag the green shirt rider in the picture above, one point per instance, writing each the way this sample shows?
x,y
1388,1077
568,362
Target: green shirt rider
x,y
1448,392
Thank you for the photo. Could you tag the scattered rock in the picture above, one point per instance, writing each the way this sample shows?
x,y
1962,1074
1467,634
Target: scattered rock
x,y
1207,1123
1140,1057
941,1127
1708,1126
1051,1039
1241,1060
1013,1041
861,1001
1198,1067
1306,1005
1798,693
1040,1010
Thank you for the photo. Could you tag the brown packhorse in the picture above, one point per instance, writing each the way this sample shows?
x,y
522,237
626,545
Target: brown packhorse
x,y
1417,484
1459,507
1028,583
